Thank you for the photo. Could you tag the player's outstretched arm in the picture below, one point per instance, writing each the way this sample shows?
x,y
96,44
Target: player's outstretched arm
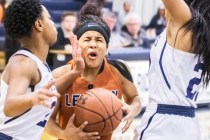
x,y
178,11
19,76
65,75
132,105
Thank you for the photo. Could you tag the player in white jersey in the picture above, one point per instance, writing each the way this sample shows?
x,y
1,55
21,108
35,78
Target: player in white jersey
x,y
28,92
34,117
180,65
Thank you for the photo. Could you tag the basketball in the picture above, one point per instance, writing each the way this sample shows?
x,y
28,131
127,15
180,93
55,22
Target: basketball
x,y
101,108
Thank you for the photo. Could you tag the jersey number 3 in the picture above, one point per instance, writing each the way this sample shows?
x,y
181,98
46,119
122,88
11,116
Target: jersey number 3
x,y
194,82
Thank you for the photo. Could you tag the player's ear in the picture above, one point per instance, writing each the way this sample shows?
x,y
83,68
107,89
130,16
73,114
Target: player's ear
x,y
38,25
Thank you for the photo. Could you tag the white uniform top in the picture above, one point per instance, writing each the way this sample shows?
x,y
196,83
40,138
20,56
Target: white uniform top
x,y
174,75
29,125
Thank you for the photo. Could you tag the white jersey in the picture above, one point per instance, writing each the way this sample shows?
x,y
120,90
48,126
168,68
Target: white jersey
x,y
29,125
175,76
175,79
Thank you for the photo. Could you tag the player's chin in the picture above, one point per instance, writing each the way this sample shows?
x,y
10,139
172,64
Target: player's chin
x,y
53,42
93,64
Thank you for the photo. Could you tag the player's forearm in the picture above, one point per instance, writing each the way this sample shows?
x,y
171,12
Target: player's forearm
x,y
136,104
17,105
65,81
54,129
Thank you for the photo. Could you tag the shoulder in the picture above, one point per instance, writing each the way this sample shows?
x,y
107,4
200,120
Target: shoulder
x,y
22,62
122,68
21,66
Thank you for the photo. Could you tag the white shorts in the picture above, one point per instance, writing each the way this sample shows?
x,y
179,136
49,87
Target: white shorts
x,y
161,125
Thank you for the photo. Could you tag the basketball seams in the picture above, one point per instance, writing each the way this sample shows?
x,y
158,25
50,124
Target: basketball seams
x,y
92,112
109,116
103,120
113,111
103,106
107,112
100,102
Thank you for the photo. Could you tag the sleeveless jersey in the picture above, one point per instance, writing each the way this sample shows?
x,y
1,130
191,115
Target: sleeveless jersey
x,y
107,79
174,75
30,124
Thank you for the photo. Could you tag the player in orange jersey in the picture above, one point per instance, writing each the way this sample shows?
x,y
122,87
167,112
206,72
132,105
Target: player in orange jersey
x,y
93,36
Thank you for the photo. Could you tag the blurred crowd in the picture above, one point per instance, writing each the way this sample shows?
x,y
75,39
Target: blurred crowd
x,y
127,29
125,24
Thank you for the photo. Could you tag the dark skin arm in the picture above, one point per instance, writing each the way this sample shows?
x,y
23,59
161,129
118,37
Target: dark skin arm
x,y
18,100
175,20
64,75
131,104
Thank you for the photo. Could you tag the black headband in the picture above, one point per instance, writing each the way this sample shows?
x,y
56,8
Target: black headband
x,y
95,27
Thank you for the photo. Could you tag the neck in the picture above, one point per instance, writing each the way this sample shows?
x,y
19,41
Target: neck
x,y
90,74
37,47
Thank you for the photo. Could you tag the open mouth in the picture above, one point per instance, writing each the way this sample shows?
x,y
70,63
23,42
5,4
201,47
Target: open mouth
x,y
92,55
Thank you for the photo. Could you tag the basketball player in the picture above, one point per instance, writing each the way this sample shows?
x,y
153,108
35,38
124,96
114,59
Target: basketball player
x,y
180,65
93,37
28,92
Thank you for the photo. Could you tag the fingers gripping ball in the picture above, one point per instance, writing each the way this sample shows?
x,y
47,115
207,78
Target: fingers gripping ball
x,y
101,108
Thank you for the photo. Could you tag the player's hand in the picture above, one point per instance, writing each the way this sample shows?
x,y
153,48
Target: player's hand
x,y
79,64
130,114
73,133
43,95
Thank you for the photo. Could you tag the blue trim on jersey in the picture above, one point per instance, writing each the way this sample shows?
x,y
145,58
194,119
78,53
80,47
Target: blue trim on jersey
x,y
150,120
16,117
186,111
43,123
161,66
46,65
5,137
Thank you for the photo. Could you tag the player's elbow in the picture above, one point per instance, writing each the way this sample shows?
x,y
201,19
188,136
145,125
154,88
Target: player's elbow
x,y
7,111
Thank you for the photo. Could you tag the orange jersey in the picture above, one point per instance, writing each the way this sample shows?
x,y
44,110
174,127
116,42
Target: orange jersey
x,y
107,79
